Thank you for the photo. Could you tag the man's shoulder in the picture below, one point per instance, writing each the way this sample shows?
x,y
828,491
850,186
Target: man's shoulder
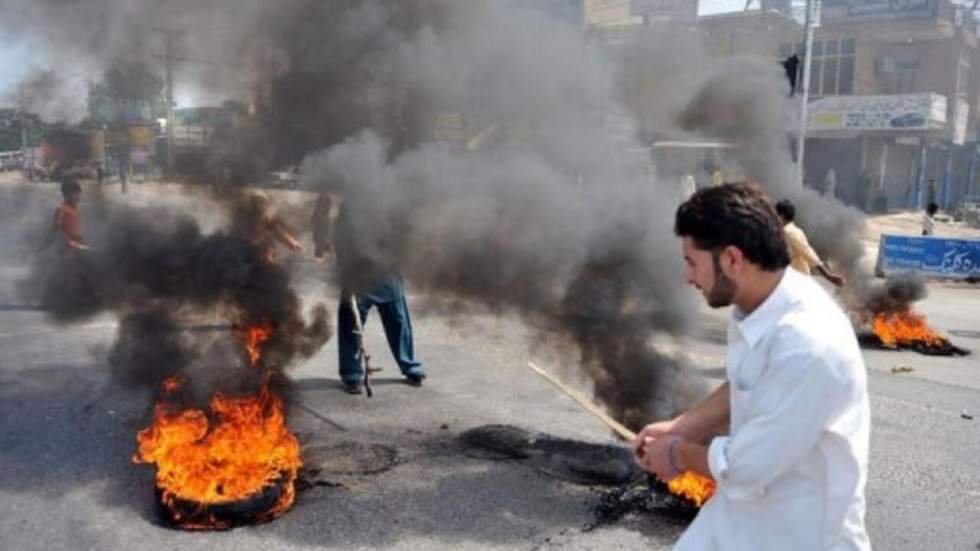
x,y
815,320
818,336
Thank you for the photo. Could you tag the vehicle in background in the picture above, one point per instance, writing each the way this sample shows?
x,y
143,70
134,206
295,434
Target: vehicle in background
x,y
10,160
70,152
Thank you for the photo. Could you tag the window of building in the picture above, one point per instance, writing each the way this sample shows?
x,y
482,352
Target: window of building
x,y
899,75
832,67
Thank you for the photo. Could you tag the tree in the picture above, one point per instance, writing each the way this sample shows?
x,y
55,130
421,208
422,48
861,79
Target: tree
x,y
10,133
128,91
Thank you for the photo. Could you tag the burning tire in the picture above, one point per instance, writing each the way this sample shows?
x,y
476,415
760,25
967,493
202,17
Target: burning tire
x,y
236,466
256,508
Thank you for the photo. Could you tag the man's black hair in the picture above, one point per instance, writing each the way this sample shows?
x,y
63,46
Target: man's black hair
x,y
786,210
932,208
739,215
69,186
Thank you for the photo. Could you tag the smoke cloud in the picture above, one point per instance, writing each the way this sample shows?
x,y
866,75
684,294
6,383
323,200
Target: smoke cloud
x,y
547,208
542,214
740,103
169,283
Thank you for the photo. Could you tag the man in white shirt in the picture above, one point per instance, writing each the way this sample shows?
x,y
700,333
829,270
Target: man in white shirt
x,y
791,465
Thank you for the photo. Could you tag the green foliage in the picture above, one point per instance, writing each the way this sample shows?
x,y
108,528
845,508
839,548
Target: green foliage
x,y
10,124
128,91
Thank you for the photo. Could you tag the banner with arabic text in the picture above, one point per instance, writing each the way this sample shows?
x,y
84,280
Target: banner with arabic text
x,y
929,256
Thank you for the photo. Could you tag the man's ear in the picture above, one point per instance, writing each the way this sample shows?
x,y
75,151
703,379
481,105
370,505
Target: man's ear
x,y
732,261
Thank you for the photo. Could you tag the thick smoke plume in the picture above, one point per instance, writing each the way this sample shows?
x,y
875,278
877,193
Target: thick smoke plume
x,y
744,102
541,214
170,283
549,211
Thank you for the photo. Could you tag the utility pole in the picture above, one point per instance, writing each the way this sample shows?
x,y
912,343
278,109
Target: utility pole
x,y
22,105
27,169
170,38
811,21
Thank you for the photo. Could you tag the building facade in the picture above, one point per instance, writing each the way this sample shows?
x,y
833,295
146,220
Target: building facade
x,y
893,87
893,107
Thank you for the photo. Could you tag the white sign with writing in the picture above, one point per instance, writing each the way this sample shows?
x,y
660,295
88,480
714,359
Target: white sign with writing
x,y
898,112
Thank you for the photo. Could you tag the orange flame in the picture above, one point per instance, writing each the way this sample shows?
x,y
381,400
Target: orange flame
x,y
253,336
693,486
171,384
905,329
247,447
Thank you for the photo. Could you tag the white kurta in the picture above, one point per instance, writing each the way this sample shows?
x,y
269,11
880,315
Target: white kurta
x,y
791,473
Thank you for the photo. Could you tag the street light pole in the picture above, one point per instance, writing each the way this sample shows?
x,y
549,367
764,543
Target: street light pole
x,y
811,21
22,103
22,115
170,58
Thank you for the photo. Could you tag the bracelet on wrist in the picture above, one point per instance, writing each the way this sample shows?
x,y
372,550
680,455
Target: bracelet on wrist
x,y
670,455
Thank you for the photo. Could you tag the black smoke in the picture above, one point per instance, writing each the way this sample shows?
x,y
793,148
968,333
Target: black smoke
x,y
542,214
181,296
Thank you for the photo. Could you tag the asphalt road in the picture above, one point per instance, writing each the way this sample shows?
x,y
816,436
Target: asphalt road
x,y
67,433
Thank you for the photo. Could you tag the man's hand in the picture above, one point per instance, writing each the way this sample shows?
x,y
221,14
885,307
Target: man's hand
x,y
291,242
653,430
833,277
656,457
837,279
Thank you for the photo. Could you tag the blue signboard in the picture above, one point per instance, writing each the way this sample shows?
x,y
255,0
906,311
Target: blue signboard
x,y
929,256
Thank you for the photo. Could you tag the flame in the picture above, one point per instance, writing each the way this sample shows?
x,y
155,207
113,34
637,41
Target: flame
x,y
905,329
246,448
171,384
253,336
693,486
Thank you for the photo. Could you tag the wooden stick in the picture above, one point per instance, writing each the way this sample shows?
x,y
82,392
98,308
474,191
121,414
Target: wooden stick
x,y
365,360
585,402
592,408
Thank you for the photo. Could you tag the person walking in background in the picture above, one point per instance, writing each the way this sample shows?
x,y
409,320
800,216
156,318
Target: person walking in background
x,y
123,176
830,183
802,256
66,223
687,187
73,284
929,219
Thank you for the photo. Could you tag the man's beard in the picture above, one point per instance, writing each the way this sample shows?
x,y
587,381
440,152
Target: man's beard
x,y
722,292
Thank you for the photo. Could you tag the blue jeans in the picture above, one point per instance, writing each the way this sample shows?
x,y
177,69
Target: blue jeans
x,y
398,329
